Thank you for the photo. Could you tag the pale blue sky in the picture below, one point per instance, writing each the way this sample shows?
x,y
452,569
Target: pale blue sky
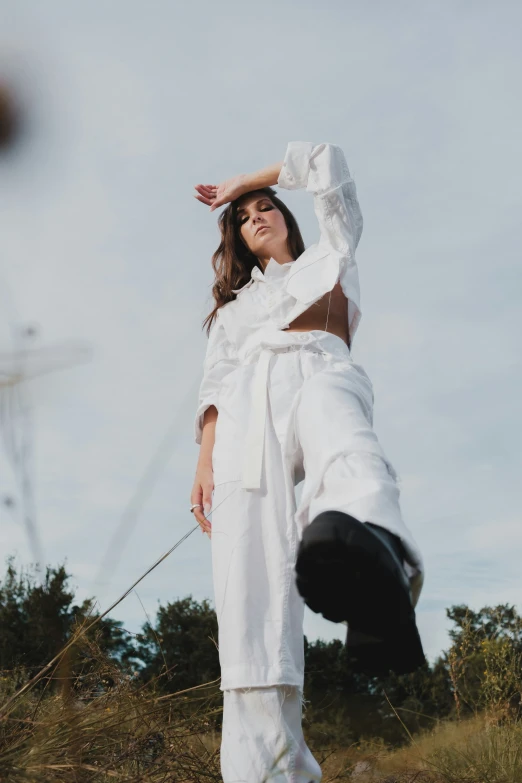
x,y
101,242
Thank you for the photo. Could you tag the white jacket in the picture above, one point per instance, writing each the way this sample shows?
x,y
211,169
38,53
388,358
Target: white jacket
x,y
270,301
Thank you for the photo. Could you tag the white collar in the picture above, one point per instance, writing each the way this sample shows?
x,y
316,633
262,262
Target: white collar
x,y
273,270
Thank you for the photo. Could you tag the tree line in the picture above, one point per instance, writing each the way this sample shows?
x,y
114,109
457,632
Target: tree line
x,y
178,650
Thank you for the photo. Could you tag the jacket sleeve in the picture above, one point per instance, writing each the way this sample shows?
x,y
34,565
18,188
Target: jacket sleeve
x,y
220,359
322,169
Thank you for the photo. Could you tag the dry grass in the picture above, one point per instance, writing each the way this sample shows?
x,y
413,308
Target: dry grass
x,y
483,748
85,720
472,751
100,725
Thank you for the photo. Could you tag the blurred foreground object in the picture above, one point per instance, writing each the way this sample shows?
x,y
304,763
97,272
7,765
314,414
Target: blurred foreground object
x,y
9,118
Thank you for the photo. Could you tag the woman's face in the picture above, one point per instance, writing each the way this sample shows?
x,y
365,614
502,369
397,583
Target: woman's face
x,y
262,226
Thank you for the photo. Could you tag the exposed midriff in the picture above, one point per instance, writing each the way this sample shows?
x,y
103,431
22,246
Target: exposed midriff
x,y
317,314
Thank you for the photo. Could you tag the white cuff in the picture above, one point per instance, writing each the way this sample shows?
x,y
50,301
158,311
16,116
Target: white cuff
x,y
296,165
198,419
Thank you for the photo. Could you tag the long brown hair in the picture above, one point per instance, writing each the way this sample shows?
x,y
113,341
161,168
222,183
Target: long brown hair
x,y
233,261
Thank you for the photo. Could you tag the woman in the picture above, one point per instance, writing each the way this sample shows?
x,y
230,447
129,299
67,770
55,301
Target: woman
x,y
282,400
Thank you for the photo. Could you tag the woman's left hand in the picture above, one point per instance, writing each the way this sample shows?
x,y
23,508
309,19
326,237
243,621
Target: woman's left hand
x,y
217,195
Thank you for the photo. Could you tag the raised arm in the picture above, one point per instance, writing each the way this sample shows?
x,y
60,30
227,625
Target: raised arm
x,y
319,168
217,195
323,171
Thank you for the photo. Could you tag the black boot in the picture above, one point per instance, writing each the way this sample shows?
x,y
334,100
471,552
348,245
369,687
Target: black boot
x,y
352,571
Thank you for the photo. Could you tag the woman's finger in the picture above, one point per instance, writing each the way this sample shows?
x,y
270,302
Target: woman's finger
x,y
205,190
204,200
202,521
201,517
204,195
197,497
196,500
207,502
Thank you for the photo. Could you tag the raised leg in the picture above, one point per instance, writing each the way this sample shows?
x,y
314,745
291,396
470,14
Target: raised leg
x,y
357,561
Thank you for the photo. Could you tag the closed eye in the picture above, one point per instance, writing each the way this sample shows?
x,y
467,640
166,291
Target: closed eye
x,y
244,219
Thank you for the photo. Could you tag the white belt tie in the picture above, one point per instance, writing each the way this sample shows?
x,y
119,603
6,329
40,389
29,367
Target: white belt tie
x,y
255,437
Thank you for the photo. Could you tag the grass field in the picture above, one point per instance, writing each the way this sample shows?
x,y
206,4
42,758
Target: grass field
x,y
95,723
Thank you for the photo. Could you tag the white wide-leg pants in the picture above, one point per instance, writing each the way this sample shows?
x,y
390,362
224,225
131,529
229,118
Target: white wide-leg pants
x,y
262,738
318,428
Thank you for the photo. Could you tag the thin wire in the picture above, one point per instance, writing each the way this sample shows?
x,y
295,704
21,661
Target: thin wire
x,y
328,313
87,628
84,630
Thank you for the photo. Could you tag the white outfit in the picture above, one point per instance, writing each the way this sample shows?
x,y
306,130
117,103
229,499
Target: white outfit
x,y
263,739
292,406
